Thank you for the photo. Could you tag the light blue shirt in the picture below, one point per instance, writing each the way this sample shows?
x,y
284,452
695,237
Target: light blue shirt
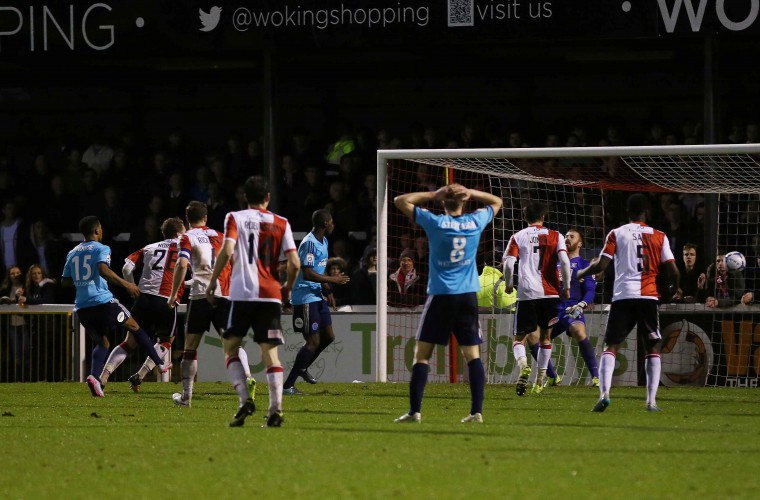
x,y
453,243
313,254
82,267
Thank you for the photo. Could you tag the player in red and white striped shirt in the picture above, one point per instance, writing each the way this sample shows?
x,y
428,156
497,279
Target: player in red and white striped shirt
x,y
256,240
538,249
198,250
157,261
640,252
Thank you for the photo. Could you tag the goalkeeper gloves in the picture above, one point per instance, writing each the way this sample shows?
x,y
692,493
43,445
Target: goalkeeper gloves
x,y
576,310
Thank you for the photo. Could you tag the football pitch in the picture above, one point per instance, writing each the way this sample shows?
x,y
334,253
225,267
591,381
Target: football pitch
x,y
340,442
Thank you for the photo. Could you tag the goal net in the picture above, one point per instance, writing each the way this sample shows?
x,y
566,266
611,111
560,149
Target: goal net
x,y
705,197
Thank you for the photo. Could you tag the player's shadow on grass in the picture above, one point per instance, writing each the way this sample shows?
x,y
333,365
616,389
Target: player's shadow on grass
x,y
586,425
407,429
336,412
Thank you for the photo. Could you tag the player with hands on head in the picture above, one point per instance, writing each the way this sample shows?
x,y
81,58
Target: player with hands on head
x,y
639,251
256,239
540,251
198,249
452,304
87,269
311,298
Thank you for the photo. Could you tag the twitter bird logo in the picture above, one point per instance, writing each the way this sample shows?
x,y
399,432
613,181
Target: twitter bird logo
x,y
210,20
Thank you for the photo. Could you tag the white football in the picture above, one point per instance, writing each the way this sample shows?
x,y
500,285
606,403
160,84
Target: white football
x,y
735,261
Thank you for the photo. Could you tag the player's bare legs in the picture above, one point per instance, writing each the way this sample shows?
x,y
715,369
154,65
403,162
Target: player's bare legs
x,y
135,336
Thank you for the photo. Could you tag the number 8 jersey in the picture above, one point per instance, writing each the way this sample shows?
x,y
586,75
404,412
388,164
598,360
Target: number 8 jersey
x,y
453,247
262,239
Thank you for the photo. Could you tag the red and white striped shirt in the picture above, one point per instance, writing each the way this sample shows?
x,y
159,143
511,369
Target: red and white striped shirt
x,y
262,239
639,251
537,248
158,261
200,246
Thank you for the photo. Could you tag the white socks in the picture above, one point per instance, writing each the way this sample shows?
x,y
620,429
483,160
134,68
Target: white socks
x,y
652,366
518,349
274,379
116,358
606,367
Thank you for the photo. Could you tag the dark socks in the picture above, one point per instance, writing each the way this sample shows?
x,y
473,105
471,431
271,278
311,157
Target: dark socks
x,y
99,357
143,340
587,351
417,386
303,360
477,385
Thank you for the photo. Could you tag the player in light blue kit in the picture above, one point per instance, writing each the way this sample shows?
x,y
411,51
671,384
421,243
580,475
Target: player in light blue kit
x,y
87,269
570,318
452,304
310,296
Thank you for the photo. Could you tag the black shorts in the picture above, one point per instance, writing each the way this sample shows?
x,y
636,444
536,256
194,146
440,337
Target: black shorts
x,y
535,313
626,313
153,314
98,321
309,319
201,315
262,317
447,314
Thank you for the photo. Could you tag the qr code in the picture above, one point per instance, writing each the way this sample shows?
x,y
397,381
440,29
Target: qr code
x,y
461,12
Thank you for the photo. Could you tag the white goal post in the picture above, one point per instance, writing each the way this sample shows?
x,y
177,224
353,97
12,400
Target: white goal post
x,y
726,169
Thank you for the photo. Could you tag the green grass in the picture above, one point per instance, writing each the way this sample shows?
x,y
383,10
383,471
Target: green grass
x,y
340,442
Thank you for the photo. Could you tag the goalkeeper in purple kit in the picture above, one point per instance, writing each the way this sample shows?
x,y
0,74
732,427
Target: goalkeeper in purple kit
x,y
570,318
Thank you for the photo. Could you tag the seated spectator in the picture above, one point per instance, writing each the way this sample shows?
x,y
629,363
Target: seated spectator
x,y
406,287
364,280
724,288
342,293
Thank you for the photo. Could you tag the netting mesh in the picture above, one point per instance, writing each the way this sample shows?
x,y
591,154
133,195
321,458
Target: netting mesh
x,y
702,345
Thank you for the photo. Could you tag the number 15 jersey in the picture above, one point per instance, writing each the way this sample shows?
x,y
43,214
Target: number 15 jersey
x,y
453,245
262,240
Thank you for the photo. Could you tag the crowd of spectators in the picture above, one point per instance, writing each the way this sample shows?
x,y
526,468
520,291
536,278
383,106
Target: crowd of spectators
x,y
48,183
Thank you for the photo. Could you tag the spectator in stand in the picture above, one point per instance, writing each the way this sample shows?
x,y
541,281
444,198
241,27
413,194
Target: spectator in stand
x,y
90,198
367,199
114,215
217,206
364,279
15,245
11,289
308,197
406,287
122,170
199,190
676,230
220,175
157,181
177,199
37,182
72,174
49,252
233,162
253,161
724,288
342,293
240,203
98,155
60,220
690,275
177,154
146,234
421,253
344,210
42,342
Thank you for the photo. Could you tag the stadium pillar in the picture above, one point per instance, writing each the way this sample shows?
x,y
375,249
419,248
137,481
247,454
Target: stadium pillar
x,y
270,149
710,243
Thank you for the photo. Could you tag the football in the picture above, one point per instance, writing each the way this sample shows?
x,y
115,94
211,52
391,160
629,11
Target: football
x,y
735,261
